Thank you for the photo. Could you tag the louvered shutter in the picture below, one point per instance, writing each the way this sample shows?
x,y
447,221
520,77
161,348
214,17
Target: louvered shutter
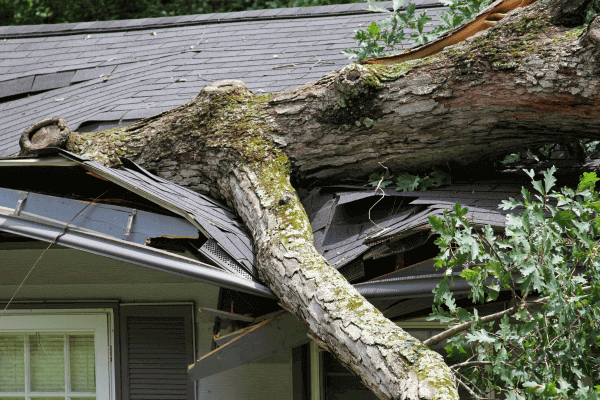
x,y
157,347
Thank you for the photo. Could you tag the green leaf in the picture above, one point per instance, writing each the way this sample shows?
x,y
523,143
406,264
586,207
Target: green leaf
x,y
407,182
549,179
458,260
587,181
442,291
534,387
398,4
437,224
376,8
456,353
469,274
459,211
511,158
481,336
563,218
531,173
373,29
537,185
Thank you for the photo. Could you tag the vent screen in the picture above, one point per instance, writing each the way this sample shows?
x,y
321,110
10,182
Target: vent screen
x,y
353,271
214,252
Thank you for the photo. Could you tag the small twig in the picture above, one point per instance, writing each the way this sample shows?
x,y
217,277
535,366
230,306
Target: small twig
x,y
471,364
205,79
472,393
315,64
44,252
287,65
381,198
432,341
201,37
466,387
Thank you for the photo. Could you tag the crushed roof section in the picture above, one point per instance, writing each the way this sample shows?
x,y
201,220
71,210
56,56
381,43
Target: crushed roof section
x,y
213,219
343,231
99,79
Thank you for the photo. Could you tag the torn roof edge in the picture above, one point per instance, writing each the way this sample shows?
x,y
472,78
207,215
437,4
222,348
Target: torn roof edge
x,y
134,253
69,159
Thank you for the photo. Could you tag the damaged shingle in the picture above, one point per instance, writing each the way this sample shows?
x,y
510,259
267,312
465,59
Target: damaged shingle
x,y
343,231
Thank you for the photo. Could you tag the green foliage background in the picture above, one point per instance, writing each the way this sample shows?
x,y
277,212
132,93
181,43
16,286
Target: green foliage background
x,y
33,12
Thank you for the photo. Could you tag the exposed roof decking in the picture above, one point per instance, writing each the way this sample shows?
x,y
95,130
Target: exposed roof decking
x,y
153,68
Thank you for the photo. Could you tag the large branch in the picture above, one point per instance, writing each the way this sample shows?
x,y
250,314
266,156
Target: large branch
x,y
522,82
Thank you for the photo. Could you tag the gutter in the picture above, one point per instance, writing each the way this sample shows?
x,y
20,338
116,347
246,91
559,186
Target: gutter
x,y
408,287
133,253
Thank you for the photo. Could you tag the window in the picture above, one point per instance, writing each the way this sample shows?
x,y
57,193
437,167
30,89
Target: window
x,y
55,356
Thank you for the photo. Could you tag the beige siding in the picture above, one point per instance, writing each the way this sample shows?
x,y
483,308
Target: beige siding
x,y
268,379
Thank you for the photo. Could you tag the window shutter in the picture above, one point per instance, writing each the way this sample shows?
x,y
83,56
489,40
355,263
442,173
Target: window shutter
x,y
156,349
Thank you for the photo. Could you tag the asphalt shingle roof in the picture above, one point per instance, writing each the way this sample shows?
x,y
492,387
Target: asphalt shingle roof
x,y
128,70
343,230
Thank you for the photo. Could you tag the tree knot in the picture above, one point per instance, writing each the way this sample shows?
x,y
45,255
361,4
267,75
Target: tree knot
x,y
225,86
44,137
285,199
592,35
356,80
569,13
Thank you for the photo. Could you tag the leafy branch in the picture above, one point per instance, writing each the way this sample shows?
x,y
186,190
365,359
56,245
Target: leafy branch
x,y
388,36
405,182
548,348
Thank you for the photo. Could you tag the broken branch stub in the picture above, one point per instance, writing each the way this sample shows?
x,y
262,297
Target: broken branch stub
x,y
569,13
44,136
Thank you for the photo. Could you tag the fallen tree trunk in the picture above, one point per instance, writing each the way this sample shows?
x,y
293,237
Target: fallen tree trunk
x,y
526,81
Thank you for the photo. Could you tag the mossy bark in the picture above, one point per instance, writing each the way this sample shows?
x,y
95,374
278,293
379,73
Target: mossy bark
x,y
522,82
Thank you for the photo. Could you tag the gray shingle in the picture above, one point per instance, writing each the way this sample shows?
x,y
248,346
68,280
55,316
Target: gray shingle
x,y
250,14
91,73
8,46
144,113
16,86
289,11
79,45
35,45
16,54
107,116
187,18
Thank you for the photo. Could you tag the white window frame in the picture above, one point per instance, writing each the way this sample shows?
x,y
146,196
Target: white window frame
x,y
100,322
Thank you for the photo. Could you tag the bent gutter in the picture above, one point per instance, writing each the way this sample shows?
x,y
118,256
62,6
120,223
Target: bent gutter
x,y
408,287
133,253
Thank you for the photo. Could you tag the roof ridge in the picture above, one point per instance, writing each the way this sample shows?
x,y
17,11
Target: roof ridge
x,y
31,31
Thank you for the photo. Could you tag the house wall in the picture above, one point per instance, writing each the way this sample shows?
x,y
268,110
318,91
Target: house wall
x,y
72,275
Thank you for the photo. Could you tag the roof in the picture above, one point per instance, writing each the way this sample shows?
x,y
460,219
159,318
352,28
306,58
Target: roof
x,y
102,74
349,221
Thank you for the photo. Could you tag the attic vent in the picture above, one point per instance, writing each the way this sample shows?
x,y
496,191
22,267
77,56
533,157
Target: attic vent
x,y
353,271
212,250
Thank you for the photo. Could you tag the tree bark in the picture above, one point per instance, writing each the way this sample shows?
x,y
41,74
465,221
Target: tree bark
x,y
523,82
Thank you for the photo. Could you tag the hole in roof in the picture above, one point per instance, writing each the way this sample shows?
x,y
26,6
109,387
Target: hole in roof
x,y
75,183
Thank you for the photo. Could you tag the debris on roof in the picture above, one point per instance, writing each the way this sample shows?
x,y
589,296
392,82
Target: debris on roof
x,y
353,224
